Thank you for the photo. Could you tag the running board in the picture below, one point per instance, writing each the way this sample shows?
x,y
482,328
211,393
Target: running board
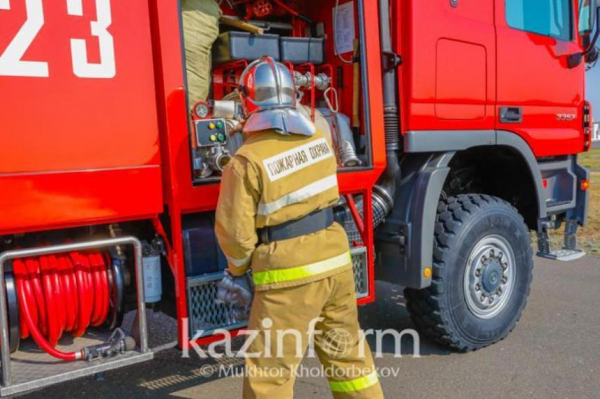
x,y
564,255
569,252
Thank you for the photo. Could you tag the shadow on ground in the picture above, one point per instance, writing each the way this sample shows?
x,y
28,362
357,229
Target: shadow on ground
x,y
389,313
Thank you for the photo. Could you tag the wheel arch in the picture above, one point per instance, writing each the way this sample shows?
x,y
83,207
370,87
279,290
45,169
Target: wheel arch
x,y
502,171
404,243
522,149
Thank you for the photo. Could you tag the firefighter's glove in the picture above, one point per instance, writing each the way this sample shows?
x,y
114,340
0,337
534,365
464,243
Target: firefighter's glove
x,y
237,292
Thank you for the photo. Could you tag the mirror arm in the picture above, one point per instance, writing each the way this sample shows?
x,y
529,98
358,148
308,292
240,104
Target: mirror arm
x,y
590,54
574,60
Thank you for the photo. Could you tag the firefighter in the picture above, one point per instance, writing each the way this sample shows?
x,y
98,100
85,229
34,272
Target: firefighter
x,y
200,30
274,216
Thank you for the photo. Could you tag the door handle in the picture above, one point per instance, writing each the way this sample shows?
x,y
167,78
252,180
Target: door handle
x,y
511,114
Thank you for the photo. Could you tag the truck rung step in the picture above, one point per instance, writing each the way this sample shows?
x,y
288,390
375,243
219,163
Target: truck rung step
x,y
564,255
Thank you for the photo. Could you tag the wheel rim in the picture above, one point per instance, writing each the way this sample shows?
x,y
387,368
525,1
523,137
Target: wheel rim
x,y
489,277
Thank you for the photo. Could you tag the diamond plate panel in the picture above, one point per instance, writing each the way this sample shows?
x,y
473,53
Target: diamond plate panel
x,y
205,313
351,229
360,269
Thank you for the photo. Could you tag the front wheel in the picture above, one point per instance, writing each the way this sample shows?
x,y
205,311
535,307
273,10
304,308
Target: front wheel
x,y
482,273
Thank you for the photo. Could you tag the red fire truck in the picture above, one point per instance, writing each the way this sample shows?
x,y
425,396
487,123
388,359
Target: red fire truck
x,y
457,125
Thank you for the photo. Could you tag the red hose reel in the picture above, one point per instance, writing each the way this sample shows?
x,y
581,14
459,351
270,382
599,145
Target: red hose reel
x,y
64,293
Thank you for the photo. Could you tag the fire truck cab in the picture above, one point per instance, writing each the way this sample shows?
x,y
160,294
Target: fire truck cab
x,y
456,123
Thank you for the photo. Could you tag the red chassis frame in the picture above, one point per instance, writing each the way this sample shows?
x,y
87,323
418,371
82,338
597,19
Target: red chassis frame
x,y
181,197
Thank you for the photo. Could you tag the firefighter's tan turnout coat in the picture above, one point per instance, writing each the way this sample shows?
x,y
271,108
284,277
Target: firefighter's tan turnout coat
x,y
273,179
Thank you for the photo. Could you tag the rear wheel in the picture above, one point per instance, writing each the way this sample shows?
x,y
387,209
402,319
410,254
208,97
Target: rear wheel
x,y
482,272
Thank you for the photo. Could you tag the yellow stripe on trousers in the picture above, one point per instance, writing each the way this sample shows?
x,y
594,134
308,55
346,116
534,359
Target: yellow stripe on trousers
x,y
355,385
297,273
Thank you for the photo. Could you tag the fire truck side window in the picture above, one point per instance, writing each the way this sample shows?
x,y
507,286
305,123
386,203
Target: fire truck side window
x,y
585,9
544,17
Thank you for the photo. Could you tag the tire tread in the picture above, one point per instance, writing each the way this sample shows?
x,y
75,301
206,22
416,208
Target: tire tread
x,y
425,306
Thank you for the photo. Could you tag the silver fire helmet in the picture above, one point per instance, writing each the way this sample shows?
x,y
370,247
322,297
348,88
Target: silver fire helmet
x,y
268,95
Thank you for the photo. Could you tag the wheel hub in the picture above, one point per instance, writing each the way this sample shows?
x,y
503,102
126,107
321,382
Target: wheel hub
x,y
489,277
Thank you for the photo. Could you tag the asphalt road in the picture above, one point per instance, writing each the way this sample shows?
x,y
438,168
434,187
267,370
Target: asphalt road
x,y
553,353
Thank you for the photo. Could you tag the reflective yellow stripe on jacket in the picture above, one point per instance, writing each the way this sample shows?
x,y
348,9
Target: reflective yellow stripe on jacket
x,y
301,272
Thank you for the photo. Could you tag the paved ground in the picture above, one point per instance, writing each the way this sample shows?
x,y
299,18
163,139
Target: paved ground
x,y
553,353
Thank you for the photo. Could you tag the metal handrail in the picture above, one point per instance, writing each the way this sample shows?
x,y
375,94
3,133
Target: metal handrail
x,y
23,253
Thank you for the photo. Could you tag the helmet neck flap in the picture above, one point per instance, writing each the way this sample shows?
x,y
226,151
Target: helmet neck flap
x,y
269,99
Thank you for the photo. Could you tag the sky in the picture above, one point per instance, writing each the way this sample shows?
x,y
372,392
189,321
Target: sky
x,y
593,90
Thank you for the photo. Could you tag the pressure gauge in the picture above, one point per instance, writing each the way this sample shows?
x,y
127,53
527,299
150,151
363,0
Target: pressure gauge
x,y
202,110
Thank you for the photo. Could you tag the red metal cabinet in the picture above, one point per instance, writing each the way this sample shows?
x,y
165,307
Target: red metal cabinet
x,y
79,132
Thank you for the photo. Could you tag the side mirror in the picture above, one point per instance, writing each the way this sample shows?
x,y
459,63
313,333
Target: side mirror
x,y
589,16
591,53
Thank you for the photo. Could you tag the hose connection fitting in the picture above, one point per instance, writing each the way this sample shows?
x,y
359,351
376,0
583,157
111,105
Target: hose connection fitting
x,y
117,344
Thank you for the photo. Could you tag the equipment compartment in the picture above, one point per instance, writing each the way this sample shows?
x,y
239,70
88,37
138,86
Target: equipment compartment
x,y
202,252
232,46
300,50
328,75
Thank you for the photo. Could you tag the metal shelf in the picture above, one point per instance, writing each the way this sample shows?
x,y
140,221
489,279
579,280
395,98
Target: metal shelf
x,y
33,368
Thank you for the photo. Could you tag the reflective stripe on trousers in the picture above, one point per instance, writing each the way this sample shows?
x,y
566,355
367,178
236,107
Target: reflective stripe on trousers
x,y
297,273
357,384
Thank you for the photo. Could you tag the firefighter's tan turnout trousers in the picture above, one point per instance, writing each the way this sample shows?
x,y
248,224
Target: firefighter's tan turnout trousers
x,y
273,179
346,360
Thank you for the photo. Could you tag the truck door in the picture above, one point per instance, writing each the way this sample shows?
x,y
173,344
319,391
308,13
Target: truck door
x,y
539,96
448,65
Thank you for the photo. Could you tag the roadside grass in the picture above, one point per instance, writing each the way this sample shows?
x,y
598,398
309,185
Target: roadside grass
x,y
589,236
591,160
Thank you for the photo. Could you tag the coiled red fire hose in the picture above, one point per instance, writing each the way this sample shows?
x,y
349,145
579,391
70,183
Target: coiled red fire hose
x,y
62,293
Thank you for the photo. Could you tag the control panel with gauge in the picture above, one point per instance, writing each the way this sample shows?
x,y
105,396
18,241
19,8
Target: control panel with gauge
x,y
210,132
210,154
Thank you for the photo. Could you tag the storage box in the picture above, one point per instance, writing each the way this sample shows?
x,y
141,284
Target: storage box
x,y
299,50
232,46
202,253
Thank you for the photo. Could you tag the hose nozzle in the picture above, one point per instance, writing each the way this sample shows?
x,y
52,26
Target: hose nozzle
x,y
118,343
